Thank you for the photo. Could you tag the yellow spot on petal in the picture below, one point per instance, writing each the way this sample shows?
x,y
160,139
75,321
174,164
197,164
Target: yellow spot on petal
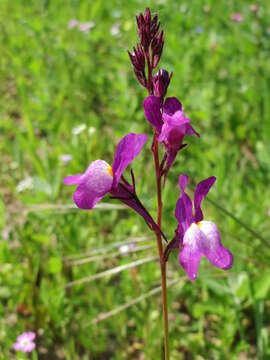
x,y
110,170
199,224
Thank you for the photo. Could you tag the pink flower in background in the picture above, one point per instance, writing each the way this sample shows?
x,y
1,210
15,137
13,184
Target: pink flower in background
x,y
25,342
66,158
254,8
237,17
73,23
86,26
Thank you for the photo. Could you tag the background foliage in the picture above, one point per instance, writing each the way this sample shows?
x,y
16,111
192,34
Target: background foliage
x,y
54,79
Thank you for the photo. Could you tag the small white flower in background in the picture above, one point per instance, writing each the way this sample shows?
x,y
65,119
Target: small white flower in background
x,y
78,129
91,130
25,184
65,158
86,26
125,249
73,23
115,29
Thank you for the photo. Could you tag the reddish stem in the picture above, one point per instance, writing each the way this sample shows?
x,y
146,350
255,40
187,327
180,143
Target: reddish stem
x,y
159,220
160,249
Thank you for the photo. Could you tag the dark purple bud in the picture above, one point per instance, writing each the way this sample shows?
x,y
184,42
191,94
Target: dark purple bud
x,y
156,48
148,27
147,17
140,24
161,82
141,77
137,58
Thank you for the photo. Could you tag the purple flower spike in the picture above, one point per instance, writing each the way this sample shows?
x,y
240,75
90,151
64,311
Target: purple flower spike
x,y
25,342
196,237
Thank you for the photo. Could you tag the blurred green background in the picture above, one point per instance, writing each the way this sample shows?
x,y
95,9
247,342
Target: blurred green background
x,y
69,88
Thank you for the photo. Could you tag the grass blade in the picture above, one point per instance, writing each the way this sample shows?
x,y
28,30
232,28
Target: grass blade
x,y
111,272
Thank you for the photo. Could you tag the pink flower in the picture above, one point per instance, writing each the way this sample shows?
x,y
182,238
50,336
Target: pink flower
x,y
65,158
73,23
254,8
86,26
237,17
25,342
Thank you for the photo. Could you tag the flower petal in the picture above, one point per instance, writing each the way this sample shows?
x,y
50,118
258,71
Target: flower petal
x,y
191,131
213,249
18,346
200,192
172,105
183,210
173,131
191,251
29,347
93,184
72,179
127,149
30,335
152,111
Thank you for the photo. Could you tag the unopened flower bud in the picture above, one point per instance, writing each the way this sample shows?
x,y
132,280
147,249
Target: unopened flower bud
x,y
147,28
157,47
141,77
137,58
161,82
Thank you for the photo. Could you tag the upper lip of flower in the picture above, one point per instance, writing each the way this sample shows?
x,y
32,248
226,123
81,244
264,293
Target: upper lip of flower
x,y
183,210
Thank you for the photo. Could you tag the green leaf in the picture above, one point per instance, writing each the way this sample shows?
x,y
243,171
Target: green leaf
x,y
262,286
54,265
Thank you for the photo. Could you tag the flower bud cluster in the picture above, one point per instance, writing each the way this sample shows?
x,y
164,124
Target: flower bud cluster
x,y
149,51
